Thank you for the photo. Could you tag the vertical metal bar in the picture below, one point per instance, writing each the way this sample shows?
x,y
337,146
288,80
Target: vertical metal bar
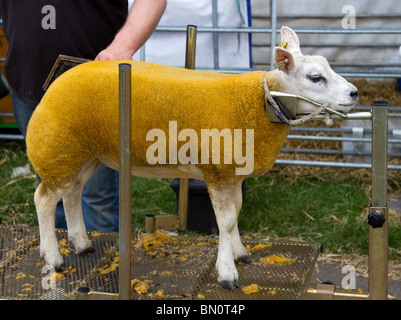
x,y
142,53
184,182
378,236
215,22
125,181
273,24
379,153
190,52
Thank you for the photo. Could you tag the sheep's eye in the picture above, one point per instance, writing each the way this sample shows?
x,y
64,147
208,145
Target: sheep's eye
x,y
316,78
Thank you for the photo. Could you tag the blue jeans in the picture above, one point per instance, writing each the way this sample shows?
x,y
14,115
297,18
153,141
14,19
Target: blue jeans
x,y
100,195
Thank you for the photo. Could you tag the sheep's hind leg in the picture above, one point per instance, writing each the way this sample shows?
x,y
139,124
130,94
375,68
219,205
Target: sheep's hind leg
x,y
46,201
72,200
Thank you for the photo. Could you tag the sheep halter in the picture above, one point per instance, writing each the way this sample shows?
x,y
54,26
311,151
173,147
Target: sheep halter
x,y
327,120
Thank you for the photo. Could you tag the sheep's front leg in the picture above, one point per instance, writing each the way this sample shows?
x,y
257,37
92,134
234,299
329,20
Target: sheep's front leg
x,y
46,202
227,201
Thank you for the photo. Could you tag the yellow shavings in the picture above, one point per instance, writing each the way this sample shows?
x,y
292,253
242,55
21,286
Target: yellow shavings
x,y
252,288
201,296
159,294
276,259
56,276
65,251
63,243
27,287
20,275
95,234
70,270
161,236
141,287
113,266
154,241
184,257
259,246
152,244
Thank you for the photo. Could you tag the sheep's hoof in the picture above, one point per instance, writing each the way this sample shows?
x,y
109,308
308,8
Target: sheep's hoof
x,y
244,259
59,269
87,251
230,284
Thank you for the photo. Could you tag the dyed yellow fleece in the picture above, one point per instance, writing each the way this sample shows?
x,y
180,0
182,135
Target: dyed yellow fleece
x,y
77,118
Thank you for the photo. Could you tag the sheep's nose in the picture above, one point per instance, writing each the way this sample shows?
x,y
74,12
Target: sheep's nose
x,y
354,94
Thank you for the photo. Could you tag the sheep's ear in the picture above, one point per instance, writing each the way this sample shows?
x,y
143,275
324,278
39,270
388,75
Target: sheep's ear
x,y
291,40
283,59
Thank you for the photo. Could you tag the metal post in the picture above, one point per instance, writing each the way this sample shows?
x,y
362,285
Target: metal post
x,y
378,217
184,182
215,20
125,181
273,24
191,47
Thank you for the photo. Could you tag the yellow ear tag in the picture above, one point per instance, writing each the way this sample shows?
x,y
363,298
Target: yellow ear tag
x,y
283,44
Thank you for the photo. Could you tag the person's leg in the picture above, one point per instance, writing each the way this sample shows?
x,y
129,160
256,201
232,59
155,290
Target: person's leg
x,y
100,199
22,114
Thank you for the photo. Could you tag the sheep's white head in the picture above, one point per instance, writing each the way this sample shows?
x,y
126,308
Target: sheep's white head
x,y
311,76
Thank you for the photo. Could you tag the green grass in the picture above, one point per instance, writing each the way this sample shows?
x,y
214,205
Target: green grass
x,y
307,208
16,195
329,209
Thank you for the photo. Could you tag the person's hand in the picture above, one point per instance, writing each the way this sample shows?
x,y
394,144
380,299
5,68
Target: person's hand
x,y
115,52
141,22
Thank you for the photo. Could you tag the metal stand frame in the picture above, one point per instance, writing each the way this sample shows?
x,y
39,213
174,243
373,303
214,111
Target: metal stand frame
x,y
377,219
378,216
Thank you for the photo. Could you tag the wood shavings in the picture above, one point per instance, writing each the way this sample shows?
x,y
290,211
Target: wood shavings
x,y
20,275
141,287
252,288
276,259
259,246
113,265
158,295
95,234
56,276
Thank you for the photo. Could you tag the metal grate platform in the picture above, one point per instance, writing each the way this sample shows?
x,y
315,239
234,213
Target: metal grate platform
x,y
163,267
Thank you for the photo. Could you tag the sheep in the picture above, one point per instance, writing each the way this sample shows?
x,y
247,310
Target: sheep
x,y
75,128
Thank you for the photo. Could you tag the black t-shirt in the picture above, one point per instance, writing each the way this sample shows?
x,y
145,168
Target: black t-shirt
x,y
39,30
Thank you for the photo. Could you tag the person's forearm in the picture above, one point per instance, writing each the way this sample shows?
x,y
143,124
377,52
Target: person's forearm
x,y
141,22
